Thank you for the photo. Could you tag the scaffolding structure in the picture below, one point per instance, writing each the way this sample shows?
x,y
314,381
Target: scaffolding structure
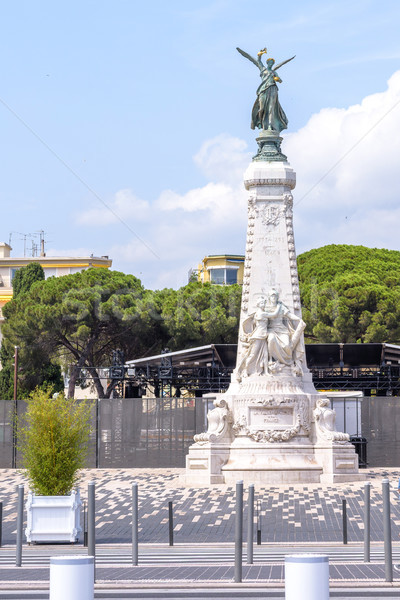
x,y
373,369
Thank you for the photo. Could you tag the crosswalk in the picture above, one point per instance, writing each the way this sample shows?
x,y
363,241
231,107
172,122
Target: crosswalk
x,y
40,556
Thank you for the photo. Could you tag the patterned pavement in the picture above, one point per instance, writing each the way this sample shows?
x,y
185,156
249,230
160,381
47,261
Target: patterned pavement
x,y
290,514
307,515
252,574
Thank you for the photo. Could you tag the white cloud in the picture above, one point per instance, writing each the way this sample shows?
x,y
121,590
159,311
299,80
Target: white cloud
x,y
349,156
347,163
220,203
179,241
347,192
178,230
203,198
125,206
223,158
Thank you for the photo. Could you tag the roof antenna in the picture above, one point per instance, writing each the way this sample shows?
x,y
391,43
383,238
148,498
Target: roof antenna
x,y
42,252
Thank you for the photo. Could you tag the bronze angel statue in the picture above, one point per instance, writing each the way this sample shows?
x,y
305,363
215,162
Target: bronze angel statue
x,y
267,113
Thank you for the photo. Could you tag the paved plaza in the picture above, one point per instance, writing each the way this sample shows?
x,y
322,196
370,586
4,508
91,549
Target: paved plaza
x,y
294,518
290,514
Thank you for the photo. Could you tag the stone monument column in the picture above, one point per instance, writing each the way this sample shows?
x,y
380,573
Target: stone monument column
x,y
271,425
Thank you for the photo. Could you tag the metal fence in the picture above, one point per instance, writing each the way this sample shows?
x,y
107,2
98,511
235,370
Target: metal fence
x,y
6,433
127,432
157,432
380,418
147,432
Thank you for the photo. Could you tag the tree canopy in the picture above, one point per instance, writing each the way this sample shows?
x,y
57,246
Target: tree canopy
x,y
350,294
199,314
25,277
81,318
38,368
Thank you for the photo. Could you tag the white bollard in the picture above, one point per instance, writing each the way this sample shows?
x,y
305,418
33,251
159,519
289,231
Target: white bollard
x,y
307,577
72,577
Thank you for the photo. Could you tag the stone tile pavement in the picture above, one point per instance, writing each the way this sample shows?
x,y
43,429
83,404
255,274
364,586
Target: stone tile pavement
x,y
342,574
290,513
307,515
273,574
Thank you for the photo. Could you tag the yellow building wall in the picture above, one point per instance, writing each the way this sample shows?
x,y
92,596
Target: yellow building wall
x,y
220,262
59,265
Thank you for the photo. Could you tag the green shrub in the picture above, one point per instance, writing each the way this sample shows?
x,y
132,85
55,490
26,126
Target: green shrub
x,y
53,437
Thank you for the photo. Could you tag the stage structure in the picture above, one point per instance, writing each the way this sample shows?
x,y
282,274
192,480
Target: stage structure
x,y
370,368
270,426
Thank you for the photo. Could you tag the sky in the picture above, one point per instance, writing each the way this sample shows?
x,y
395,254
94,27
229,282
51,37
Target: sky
x,y
125,126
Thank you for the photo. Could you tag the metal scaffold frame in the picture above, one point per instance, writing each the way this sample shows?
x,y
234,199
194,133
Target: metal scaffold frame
x,y
373,369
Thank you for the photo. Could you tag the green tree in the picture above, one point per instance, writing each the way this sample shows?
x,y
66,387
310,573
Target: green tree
x,y
38,369
25,277
350,294
81,318
199,314
7,372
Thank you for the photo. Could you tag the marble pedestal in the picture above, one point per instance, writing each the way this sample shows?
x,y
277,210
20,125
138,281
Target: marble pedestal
x,y
273,438
271,426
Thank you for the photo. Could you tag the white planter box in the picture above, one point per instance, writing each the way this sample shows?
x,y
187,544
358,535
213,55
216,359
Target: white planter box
x,y
53,518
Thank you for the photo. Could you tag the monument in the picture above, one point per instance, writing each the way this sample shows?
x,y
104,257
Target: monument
x,y
271,425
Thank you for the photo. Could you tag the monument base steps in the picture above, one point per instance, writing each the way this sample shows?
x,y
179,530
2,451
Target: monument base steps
x,y
266,464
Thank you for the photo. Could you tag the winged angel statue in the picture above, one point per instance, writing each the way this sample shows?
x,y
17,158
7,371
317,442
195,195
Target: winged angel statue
x,y
267,113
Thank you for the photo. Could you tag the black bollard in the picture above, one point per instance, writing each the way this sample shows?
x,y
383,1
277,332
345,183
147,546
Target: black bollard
x,y
250,525
91,521
387,534
20,526
85,540
239,532
135,525
344,516
258,523
367,521
170,524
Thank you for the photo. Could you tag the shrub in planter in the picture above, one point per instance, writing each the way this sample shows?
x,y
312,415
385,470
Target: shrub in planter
x,y
53,437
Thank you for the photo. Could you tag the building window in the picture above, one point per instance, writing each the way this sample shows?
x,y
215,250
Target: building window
x,y
231,276
217,276
223,276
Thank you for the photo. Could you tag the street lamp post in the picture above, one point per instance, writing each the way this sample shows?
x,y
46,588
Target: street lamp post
x,y
15,409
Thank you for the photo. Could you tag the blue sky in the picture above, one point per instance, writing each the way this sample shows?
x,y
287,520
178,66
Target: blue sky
x,y
125,126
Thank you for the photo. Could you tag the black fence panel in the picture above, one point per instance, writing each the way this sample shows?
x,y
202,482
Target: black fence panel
x,y
157,432
127,432
380,416
147,432
6,433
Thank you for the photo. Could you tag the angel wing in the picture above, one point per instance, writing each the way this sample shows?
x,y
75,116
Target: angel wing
x,y
283,63
253,60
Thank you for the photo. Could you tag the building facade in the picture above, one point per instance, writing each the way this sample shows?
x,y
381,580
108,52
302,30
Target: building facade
x,y
221,269
53,266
